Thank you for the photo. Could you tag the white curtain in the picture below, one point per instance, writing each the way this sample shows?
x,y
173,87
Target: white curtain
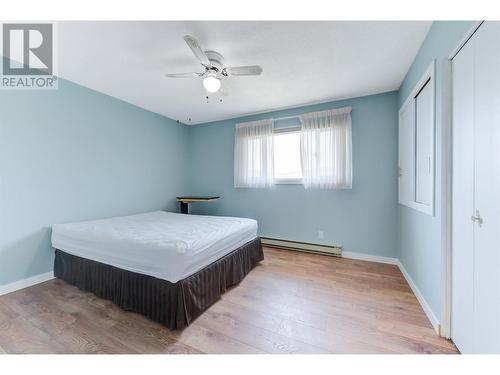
x,y
325,144
253,154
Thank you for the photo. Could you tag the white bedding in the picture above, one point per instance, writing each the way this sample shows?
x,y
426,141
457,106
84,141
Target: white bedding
x,y
162,244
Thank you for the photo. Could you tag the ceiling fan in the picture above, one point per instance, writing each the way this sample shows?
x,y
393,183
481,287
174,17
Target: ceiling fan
x,y
215,70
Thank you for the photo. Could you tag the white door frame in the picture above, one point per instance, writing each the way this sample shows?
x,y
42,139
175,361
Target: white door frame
x,y
446,182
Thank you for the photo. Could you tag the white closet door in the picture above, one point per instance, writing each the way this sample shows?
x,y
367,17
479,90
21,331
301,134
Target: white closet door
x,y
476,193
463,199
487,188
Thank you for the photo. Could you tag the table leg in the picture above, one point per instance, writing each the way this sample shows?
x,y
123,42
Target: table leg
x,y
184,208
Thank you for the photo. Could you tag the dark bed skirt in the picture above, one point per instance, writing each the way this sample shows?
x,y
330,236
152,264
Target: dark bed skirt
x,y
174,305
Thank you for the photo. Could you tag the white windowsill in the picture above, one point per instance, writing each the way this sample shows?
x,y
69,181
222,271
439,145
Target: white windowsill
x,y
288,181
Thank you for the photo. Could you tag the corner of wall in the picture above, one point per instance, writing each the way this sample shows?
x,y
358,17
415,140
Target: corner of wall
x,y
419,237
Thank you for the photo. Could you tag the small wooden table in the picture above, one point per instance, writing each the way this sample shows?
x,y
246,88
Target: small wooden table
x,y
184,201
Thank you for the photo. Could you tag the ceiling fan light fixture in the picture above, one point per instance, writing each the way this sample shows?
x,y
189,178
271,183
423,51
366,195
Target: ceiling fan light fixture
x,y
212,83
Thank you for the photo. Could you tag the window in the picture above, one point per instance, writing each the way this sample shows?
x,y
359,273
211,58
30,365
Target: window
x,y
253,154
287,165
416,146
316,154
326,143
424,144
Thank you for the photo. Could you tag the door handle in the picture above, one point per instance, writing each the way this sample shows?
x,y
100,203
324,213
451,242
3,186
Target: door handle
x,y
477,218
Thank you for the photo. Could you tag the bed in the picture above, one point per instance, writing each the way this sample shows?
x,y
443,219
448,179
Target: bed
x,y
169,267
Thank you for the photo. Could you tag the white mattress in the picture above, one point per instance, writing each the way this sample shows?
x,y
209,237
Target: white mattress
x,y
161,244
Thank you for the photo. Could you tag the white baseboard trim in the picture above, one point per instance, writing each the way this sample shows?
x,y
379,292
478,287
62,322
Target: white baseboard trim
x,y
388,260
425,306
30,281
369,257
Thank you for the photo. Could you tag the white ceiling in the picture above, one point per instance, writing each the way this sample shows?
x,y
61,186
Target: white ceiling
x,y
303,62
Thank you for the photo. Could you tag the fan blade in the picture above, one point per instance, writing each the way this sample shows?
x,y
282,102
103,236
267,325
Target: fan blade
x,y
251,70
198,52
183,75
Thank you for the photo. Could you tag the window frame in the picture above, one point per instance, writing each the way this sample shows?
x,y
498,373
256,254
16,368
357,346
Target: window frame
x,y
428,78
287,181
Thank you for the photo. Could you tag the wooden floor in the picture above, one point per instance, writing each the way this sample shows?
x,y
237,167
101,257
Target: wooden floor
x,y
291,303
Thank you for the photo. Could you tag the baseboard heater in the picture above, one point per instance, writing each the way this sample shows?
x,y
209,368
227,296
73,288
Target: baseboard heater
x,y
302,246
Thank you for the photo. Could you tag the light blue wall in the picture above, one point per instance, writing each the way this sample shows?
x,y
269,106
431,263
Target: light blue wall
x,y
419,235
362,219
75,154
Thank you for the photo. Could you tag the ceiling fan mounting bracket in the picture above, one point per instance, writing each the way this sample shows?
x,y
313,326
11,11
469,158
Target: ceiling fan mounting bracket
x,y
215,59
212,69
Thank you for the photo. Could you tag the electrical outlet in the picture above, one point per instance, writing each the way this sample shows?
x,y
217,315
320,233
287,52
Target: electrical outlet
x,y
321,234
